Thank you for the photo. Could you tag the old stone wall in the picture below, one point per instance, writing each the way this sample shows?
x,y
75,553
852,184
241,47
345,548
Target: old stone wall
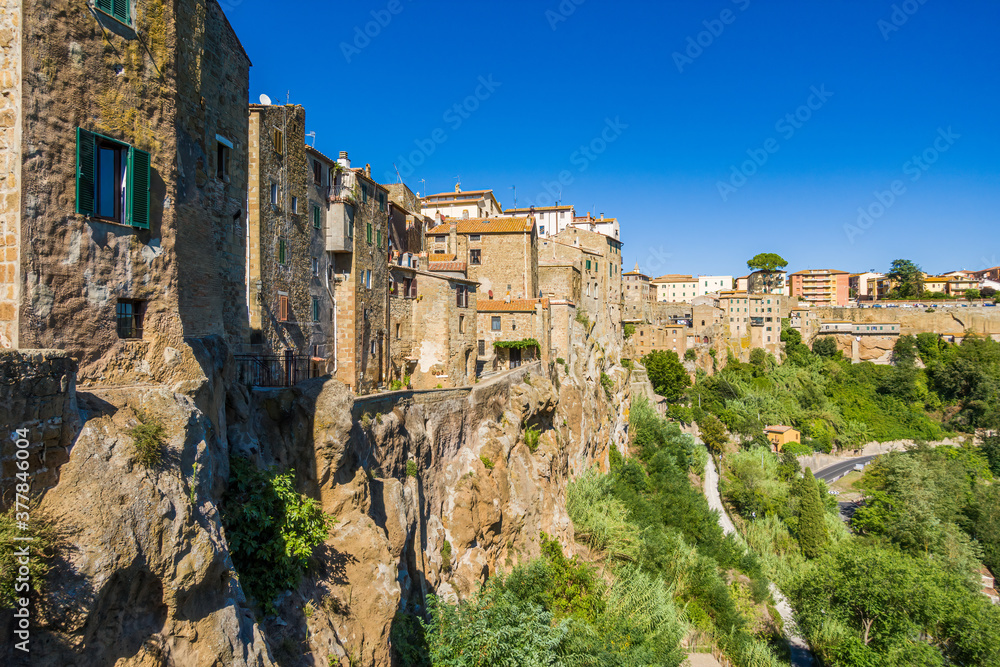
x,y
319,334
560,281
514,325
167,87
37,404
507,259
947,319
10,169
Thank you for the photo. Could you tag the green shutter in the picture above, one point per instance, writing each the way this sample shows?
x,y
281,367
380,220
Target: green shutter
x,y
378,235
281,251
368,233
86,165
105,6
138,190
316,217
120,10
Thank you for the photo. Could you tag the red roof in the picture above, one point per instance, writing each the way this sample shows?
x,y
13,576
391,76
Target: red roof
x,y
515,306
485,226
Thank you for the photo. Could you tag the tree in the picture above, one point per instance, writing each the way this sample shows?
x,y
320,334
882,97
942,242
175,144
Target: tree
x,y
628,329
972,294
929,345
825,346
769,263
812,524
908,277
988,292
667,374
904,352
713,433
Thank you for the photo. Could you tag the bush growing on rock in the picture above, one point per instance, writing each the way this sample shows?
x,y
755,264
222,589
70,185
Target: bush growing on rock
x,y
148,439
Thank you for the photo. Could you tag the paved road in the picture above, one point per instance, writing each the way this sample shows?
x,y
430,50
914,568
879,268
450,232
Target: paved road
x,y
838,470
801,655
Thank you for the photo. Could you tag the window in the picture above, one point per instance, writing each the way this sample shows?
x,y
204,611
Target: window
x,y
411,287
378,238
112,180
440,239
541,229
274,193
588,265
461,324
482,348
282,251
315,266
368,233
462,296
316,217
117,9
315,309
223,149
129,314
475,256
364,194
295,204
382,200
368,278
317,173
279,141
495,323
472,237
397,330
282,307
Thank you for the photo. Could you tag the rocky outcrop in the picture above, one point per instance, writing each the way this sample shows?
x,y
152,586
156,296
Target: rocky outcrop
x,y
433,493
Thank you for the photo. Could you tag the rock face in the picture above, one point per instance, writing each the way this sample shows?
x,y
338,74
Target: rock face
x,y
144,577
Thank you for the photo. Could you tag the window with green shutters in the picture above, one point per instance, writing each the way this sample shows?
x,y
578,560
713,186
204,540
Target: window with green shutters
x,y
315,309
282,252
117,9
112,180
378,238
316,214
588,265
368,234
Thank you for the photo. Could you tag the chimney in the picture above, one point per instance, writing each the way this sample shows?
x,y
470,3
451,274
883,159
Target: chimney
x,y
453,238
368,170
602,216
343,160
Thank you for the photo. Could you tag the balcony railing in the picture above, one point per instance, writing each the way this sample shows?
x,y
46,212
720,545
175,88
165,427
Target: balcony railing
x,y
272,370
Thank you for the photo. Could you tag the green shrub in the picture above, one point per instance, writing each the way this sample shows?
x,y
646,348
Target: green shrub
x,y
690,355
487,462
148,440
411,468
272,530
628,330
446,556
41,548
581,317
531,436
627,363
560,361
607,383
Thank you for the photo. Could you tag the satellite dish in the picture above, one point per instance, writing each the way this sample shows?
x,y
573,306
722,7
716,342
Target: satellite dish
x,y
264,99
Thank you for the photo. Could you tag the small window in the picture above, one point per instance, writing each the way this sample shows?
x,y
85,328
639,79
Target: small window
x,y
368,278
462,296
440,239
282,307
295,204
274,193
279,141
317,173
315,301
397,330
378,238
368,233
315,266
482,348
364,194
129,315
475,256
282,251
116,9
381,201
316,217
475,237
461,324
222,153
495,323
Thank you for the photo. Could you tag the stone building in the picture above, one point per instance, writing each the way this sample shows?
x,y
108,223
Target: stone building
x,y
501,253
607,226
281,233
636,287
550,219
516,321
458,204
650,337
358,240
124,149
754,320
599,258
560,280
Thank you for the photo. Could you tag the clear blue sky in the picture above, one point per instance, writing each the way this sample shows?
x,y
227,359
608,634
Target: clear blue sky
x,y
892,86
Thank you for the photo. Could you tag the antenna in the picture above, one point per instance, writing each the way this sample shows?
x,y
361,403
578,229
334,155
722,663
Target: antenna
x,y
424,184
313,135
458,183
288,97
399,179
514,188
264,99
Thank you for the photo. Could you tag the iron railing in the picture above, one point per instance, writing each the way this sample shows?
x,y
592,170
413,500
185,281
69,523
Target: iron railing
x,y
272,370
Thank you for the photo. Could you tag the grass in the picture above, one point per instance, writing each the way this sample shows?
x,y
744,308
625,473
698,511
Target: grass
x,y
148,440
487,462
847,483
531,435
411,469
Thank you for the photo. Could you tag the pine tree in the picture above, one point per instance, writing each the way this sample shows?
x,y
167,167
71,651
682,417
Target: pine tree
x,y
812,526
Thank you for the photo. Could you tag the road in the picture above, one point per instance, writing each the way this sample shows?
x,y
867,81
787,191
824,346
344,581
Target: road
x,y
838,470
801,655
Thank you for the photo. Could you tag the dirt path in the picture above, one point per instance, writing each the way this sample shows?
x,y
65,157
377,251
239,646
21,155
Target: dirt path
x,y
801,655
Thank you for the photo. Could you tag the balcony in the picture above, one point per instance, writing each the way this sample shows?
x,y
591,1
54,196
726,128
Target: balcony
x,y
340,227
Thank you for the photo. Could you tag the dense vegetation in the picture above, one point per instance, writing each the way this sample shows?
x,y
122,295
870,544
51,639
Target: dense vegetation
x,y
666,570
271,529
903,590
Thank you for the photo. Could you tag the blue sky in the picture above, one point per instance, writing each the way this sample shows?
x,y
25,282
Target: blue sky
x,y
713,130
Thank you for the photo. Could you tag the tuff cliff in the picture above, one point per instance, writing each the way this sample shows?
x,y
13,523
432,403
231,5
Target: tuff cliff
x,y
143,576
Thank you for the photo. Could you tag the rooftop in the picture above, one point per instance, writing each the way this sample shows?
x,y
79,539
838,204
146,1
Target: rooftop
x,y
515,306
485,226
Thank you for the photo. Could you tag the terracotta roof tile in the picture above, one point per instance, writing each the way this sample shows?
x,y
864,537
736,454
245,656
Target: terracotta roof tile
x,y
460,192
441,257
486,226
515,306
446,266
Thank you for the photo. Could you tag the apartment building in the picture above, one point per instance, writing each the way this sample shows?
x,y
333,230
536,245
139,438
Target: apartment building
x,y
675,288
466,205
857,284
550,219
754,319
879,287
124,182
820,287
713,284
607,226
